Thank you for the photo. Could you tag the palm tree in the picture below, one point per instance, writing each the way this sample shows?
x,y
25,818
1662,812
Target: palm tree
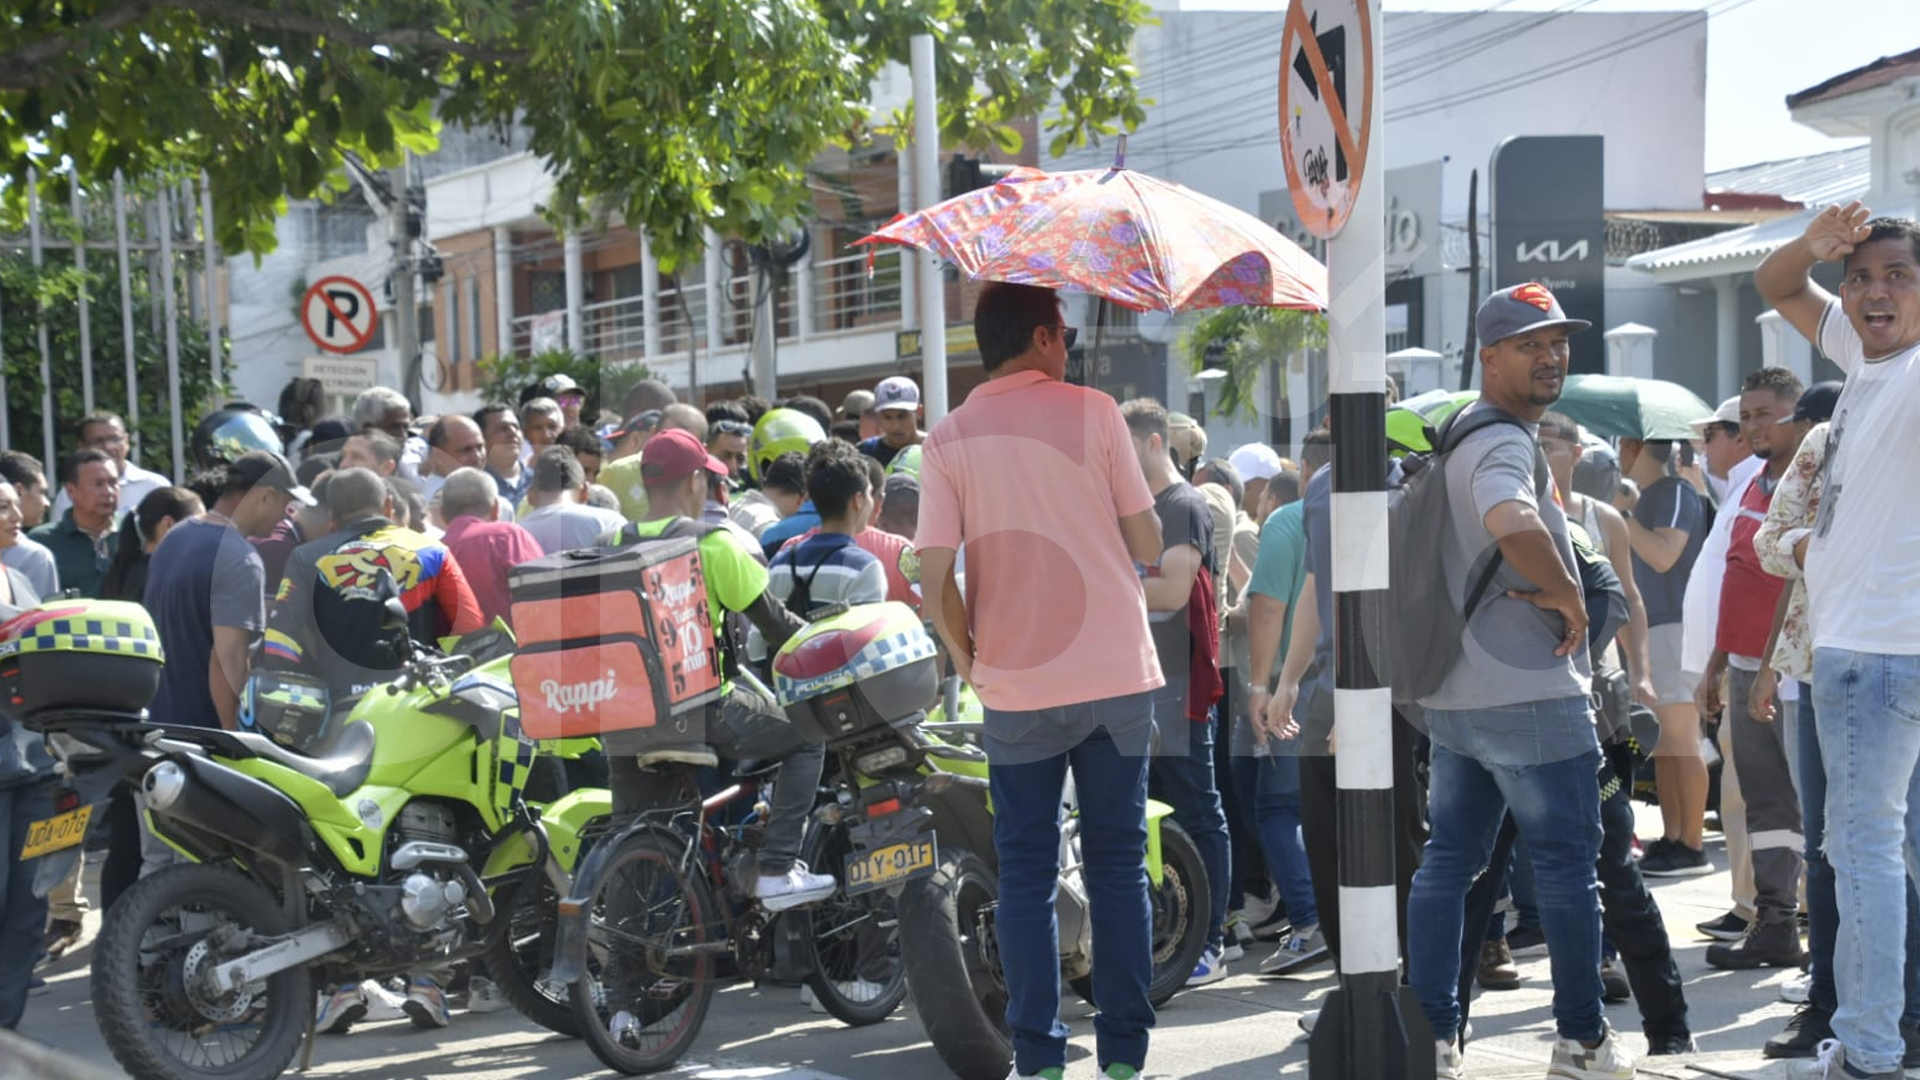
x,y
1241,340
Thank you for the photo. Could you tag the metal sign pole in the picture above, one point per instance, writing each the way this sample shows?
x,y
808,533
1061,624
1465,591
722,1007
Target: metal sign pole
x,y
1371,1028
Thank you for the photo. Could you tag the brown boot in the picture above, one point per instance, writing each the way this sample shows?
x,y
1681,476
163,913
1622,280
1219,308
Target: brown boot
x,y
1497,970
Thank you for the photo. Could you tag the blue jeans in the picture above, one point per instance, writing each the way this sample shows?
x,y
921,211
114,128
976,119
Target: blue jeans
x,y
1869,730
1556,807
1109,763
1183,776
1276,812
1823,913
23,916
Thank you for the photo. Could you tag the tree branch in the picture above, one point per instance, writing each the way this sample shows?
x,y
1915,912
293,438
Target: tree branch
x,y
29,67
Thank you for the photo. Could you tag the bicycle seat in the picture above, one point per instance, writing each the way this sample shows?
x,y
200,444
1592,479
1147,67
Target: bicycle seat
x,y
344,768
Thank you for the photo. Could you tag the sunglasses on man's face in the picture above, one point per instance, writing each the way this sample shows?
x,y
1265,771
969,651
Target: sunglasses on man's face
x,y
733,427
1068,335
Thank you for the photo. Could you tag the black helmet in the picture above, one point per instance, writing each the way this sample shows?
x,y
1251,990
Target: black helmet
x,y
227,432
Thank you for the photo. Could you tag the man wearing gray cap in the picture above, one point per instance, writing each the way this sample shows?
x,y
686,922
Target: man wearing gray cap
x,y
1511,726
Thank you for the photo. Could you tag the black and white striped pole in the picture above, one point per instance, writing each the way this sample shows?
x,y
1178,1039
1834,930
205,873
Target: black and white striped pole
x,y
1370,1028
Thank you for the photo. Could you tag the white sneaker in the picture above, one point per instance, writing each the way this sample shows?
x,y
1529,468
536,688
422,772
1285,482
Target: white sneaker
x,y
1795,990
1446,1060
860,991
1830,1063
1574,1060
1233,951
797,886
340,1010
382,1003
483,996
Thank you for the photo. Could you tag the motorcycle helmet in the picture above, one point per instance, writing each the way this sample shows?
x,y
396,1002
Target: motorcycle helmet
x,y
226,433
778,432
906,462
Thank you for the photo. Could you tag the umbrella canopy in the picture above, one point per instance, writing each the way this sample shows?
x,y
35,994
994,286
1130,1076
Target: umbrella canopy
x,y
1143,243
1628,408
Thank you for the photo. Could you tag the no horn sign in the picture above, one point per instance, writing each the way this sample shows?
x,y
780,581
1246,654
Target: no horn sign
x,y
339,314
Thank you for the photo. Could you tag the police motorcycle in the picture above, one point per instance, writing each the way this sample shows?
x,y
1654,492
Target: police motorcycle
x,y
406,839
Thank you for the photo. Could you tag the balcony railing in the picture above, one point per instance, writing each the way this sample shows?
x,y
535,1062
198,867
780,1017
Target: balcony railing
x,y
838,296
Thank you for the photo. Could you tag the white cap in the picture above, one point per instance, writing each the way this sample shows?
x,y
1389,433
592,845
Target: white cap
x,y
896,392
1255,461
1727,413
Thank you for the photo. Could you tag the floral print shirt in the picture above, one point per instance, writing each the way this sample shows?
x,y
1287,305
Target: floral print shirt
x,y
1790,519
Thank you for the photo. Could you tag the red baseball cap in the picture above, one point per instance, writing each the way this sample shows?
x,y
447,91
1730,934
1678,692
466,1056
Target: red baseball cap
x,y
675,454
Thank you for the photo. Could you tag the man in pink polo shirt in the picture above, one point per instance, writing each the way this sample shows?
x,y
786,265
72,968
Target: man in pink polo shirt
x,y
1039,480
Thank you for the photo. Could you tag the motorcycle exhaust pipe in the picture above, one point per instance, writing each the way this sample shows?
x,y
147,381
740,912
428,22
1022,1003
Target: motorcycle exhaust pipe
x,y
216,801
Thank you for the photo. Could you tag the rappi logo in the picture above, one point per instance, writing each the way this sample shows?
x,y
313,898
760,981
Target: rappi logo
x,y
585,696
353,571
1535,294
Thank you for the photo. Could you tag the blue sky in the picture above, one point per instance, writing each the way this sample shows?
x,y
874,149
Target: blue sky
x,y
1757,53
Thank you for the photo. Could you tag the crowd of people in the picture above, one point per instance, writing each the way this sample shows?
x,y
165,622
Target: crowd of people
x,y
1156,620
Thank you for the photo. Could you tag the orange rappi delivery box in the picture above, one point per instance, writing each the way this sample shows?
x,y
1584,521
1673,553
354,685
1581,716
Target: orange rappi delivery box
x,y
612,639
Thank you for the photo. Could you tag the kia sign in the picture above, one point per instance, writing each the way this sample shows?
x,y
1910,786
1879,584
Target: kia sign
x,y
1549,226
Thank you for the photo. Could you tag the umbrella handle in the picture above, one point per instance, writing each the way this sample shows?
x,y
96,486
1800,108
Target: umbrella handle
x,y
1120,154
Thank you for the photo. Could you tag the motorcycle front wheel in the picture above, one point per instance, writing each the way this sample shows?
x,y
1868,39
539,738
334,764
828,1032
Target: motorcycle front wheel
x,y
653,935
1180,908
520,954
953,965
152,989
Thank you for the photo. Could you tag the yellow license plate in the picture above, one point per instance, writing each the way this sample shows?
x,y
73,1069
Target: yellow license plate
x,y
889,865
56,833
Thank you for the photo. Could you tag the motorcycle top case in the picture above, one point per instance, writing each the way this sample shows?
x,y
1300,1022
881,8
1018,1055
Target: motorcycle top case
x,y
871,666
612,639
100,655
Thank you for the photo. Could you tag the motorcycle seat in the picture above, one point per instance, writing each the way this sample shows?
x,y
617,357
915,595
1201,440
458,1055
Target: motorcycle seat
x,y
344,768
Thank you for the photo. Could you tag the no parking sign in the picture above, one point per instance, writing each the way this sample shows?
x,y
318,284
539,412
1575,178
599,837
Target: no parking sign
x,y
339,314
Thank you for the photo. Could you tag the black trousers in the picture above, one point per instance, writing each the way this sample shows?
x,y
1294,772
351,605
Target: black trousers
x,y
1628,914
1319,827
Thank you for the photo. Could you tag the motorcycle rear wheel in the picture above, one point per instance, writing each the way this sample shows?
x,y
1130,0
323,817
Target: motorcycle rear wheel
x,y
643,908
850,945
149,965
954,974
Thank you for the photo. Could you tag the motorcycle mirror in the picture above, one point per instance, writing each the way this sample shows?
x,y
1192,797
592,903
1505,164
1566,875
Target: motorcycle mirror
x,y
395,617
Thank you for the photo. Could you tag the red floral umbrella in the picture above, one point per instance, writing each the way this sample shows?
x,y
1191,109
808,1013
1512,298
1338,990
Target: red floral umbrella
x,y
1137,241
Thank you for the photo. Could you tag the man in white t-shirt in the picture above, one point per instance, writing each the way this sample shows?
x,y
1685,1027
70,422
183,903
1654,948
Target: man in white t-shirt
x,y
1863,583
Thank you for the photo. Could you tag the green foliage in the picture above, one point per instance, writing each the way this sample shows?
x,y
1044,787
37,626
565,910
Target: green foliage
x,y
58,286
677,114
1241,340
606,384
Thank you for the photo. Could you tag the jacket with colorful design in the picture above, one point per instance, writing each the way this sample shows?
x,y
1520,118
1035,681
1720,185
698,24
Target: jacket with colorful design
x,y
327,616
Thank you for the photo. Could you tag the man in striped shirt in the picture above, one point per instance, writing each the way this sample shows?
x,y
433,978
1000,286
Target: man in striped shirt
x,y
829,567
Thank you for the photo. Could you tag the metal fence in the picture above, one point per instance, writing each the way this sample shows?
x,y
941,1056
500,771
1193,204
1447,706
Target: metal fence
x,y
121,250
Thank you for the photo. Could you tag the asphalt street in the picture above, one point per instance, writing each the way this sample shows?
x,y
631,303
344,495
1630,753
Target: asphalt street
x,y
1238,1029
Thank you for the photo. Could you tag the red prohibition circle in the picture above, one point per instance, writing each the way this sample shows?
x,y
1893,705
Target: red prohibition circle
x,y
323,291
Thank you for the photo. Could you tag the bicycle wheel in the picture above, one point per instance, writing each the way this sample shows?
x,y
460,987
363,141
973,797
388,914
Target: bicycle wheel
x,y
655,934
850,945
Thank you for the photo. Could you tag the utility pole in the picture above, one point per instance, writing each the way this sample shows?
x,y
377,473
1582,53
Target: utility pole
x,y
926,183
403,229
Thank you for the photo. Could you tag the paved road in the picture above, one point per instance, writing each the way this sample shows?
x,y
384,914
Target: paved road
x,y
1240,1029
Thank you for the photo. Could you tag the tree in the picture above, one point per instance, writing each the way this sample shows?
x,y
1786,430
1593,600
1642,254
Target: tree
x,y
22,289
678,114
1241,340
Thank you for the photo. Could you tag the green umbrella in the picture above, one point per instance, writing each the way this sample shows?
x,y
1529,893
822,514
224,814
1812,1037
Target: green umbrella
x,y
1616,406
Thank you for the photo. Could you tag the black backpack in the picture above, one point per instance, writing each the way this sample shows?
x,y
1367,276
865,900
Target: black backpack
x,y
1424,631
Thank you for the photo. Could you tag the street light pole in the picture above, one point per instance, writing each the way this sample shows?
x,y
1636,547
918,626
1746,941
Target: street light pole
x,y
926,184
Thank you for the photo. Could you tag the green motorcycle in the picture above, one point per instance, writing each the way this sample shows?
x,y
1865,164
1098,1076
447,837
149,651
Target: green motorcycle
x,y
412,843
